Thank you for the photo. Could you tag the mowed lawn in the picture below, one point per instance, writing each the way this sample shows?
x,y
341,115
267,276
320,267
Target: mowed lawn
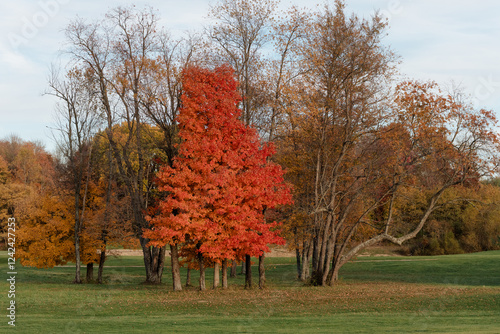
x,y
442,294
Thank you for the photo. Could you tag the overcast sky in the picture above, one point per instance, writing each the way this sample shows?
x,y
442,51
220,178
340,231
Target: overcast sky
x,y
440,40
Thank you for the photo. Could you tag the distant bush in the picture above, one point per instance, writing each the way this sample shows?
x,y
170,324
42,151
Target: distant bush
x,y
470,222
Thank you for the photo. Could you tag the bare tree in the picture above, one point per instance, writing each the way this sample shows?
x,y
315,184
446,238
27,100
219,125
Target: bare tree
x,y
77,121
241,31
118,50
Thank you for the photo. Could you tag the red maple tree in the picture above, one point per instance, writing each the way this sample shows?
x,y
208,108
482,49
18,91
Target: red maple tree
x,y
222,181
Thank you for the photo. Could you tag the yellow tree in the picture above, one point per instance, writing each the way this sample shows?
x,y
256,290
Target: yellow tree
x,y
25,168
46,234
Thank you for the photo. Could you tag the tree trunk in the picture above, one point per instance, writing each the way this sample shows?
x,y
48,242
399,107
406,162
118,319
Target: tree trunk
x,y
298,256
104,232
321,273
243,268
328,259
248,273
90,272
176,271
318,276
234,266
304,273
79,215
315,254
306,254
202,272
188,276
262,271
154,260
102,259
78,279
333,275
216,275
224,274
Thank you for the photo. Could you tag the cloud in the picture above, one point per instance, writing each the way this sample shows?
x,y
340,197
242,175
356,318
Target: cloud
x,y
14,61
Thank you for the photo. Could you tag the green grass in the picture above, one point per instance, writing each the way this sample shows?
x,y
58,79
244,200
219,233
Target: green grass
x,y
443,294
479,269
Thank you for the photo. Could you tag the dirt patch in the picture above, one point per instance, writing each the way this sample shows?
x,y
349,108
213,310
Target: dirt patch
x,y
275,252
124,252
281,251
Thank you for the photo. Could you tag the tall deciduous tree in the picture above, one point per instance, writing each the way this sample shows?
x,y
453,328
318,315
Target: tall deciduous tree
x,y
353,155
334,108
122,53
110,222
241,32
222,181
77,121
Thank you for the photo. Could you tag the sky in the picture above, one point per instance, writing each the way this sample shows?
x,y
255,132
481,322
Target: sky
x,y
447,41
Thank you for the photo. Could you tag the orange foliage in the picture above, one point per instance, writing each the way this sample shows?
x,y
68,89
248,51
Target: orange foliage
x,y
221,182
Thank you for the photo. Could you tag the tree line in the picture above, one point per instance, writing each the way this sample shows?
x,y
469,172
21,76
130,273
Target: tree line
x,y
184,143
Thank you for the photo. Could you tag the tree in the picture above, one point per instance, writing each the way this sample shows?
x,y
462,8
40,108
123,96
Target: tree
x,y
353,154
110,214
119,51
46,235
334,109
77,121
242,31
30,191
10,194
25,169
239,35
221,182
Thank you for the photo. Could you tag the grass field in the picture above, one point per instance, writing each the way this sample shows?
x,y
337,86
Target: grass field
x,y
442,294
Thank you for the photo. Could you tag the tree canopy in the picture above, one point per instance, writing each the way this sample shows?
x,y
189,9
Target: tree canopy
x,y
222,181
